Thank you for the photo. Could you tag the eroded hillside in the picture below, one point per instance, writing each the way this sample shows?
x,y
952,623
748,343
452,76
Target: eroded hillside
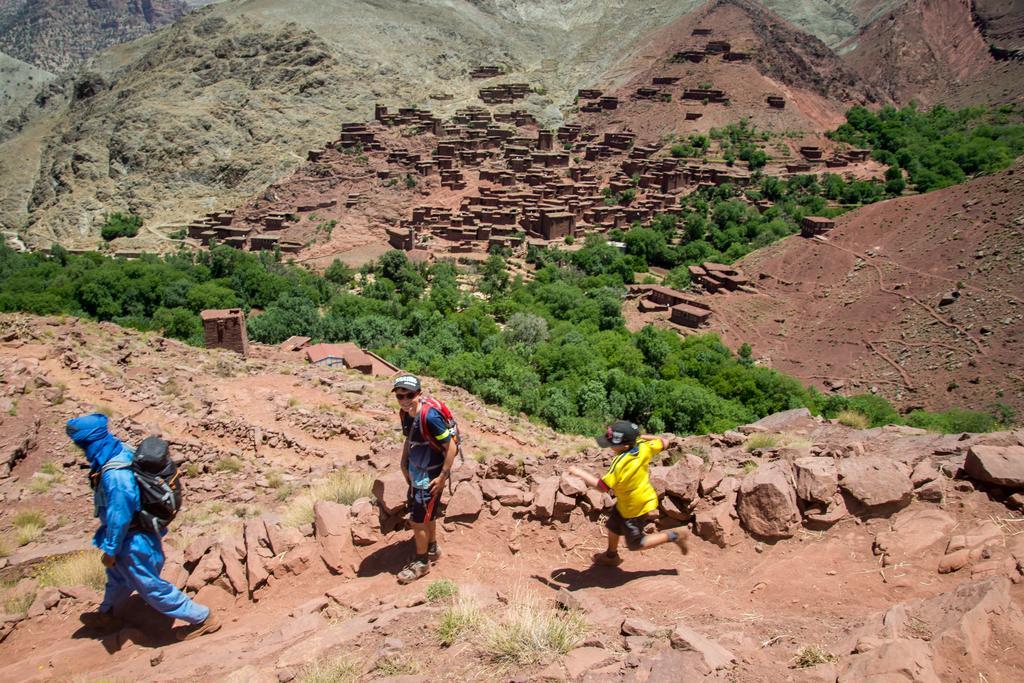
x,y
918,298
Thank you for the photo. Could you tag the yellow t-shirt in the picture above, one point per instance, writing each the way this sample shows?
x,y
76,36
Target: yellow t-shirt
x,y
628,477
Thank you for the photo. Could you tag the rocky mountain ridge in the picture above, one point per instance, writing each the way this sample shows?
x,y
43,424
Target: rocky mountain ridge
x,y
59,36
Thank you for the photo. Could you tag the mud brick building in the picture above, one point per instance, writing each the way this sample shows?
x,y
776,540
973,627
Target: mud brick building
x,y
812,152
486,71
225,329
705,94
816,225
695,56
349,355
689,315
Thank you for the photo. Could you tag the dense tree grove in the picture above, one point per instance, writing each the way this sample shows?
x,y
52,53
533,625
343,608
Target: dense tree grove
x,y
554,348
939,147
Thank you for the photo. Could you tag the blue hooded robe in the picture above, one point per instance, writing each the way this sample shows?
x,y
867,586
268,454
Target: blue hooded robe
x,y
138,556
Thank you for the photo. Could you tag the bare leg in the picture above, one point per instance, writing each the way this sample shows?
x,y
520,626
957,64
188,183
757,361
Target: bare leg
x,y
662,537
613,543
431,532
421,536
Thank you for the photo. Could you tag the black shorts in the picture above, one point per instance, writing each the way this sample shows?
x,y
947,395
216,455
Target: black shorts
x,y
632,528
422,507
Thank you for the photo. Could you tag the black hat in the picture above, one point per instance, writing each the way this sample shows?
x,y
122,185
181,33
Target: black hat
x,y
620,433
407,382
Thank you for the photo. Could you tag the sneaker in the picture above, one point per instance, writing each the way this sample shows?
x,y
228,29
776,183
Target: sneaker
x,y
607,560
433,552
211,625
416,569
101,621
683,541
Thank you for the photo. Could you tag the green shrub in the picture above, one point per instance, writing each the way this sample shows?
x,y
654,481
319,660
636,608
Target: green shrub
x,y
442,590
120,225
953,421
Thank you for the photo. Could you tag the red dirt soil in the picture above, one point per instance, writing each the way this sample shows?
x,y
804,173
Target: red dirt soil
x,y
861,306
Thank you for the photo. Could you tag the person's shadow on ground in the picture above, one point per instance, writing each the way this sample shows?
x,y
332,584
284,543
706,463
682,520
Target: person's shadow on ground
x,y
597,577
142,625
388,559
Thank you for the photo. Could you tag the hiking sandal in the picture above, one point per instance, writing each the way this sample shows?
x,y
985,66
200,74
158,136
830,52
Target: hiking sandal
x,y
433,552
416,569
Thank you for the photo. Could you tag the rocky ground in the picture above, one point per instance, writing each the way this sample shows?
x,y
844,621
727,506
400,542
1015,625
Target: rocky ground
x,y
823,553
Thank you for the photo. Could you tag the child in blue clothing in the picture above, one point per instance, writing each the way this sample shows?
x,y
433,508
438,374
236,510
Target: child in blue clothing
x,y
133,556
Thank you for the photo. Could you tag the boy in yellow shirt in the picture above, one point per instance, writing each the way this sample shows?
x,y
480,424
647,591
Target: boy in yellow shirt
x,y
634,495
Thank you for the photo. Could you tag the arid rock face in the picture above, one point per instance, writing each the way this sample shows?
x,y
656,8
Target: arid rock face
x,y
57,35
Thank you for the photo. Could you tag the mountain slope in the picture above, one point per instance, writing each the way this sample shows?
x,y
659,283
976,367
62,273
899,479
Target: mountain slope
x,y
781,60
59,35
932,51
866,307
181,122
19,83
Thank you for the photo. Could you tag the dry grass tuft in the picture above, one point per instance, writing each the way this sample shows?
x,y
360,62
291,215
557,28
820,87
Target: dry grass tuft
x,y
757,441
459,619
851,418
529,631
77,569
443,590
526,631
335,670
813,655
229,464
344,486
28,526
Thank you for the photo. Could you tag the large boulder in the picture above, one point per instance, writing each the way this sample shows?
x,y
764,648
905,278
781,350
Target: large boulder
x,y
715,656
1000,465
787,420
571,485
282,538
544,497
901,659
232,554
816,479
913,531
466,503
681,480
875,482
18,437
210,567
505,493
767,502
255,534
332,523
718,524
391,491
